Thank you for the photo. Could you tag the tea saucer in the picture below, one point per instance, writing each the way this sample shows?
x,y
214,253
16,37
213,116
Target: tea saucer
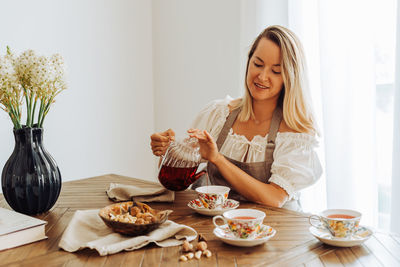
x,y
362,234
197,206
266,232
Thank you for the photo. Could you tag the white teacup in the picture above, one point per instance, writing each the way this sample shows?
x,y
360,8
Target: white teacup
x,y
242,223
341,223
213,196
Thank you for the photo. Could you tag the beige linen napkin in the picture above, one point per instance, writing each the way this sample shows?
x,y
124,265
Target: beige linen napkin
x,y
146,192
87,230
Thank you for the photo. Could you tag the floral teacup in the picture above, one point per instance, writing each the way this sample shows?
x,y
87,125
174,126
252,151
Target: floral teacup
x,y
340,223
242,223
213,196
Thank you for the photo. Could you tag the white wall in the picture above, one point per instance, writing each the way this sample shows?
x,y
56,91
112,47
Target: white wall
x,y
196,52
102,123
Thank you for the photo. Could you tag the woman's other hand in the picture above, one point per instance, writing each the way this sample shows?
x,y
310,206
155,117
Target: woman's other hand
x,y
208,147
160,141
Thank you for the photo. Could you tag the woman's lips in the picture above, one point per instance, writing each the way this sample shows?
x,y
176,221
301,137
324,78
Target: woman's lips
x,y
261,86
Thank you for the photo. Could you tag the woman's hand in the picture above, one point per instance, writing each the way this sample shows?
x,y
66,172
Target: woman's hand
x,y
160,141
208,148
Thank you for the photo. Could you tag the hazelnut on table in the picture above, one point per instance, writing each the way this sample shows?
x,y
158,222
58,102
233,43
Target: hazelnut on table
x,y
207,253
197,255
186,246
202,245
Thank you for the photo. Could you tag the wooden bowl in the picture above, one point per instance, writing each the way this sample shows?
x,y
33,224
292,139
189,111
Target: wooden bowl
x,y
129,228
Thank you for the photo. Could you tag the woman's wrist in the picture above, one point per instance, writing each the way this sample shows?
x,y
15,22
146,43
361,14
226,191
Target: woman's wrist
x,y
217,159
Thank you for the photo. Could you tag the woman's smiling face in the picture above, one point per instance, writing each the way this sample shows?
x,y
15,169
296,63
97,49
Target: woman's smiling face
x,y
264,79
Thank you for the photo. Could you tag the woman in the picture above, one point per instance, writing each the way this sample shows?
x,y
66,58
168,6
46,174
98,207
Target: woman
x,y
264,148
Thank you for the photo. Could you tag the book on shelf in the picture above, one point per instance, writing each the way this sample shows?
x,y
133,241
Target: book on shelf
x,y
17,229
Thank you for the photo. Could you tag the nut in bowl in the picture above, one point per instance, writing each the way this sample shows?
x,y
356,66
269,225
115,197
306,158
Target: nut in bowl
x,y
133,218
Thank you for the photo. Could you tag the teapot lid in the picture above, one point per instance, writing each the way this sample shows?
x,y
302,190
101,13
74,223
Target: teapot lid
x,y
183,153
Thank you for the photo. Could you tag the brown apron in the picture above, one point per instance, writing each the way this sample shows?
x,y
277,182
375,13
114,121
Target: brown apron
x,y
258,170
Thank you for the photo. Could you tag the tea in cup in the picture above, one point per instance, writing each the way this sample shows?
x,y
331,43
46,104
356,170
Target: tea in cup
x,y
242,223
340,223
213,196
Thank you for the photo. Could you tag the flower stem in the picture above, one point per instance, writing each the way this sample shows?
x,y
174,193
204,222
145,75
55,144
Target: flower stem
x,y
40,112
33,111
30,111
13,115
46,110
27,106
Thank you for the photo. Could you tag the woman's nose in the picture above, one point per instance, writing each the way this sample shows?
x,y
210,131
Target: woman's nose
x,y
264,75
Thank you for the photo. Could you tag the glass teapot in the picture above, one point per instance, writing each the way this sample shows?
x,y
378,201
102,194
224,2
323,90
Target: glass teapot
x,y
179,164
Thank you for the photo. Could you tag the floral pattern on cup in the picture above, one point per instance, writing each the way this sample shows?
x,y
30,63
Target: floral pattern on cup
x,y
344,228
264,231
211,201
242,223
244,229
213,196
338,227
229,204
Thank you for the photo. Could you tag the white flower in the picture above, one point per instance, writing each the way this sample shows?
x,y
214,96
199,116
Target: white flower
x,y
35,78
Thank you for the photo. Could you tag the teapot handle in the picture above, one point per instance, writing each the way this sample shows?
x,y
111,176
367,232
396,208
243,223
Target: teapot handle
x,y
199,174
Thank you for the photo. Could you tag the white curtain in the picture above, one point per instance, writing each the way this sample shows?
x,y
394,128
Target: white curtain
x,y
395,209
303,20
340,56
340,42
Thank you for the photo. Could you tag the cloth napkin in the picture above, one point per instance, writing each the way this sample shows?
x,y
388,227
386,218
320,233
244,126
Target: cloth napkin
x,y
87,230
146,192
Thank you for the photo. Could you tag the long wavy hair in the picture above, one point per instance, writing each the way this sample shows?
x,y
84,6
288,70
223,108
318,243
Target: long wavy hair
x,y
294,99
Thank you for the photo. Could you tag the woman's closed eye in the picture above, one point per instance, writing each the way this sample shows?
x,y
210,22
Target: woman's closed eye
x,y
276,69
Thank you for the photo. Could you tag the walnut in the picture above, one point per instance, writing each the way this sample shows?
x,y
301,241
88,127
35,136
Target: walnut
x,y
140,221
134,211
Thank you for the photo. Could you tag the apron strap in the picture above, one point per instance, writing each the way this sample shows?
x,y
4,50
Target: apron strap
x,y
227,126
273,130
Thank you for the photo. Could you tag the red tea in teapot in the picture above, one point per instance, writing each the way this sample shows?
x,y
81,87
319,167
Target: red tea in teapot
x,y
177,179
179,165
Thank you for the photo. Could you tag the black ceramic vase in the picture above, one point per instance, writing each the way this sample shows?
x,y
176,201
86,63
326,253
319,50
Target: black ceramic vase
x,y
31,180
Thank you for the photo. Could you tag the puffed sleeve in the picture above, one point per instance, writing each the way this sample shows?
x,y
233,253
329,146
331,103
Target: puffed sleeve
x,y
296,164
212,117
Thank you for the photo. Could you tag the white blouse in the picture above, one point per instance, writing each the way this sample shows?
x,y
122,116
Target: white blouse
x,y
296,164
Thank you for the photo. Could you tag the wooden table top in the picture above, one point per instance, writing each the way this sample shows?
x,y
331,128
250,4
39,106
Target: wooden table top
x,y
292,245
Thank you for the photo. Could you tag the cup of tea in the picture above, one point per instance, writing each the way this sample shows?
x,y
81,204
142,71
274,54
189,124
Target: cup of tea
x,y
213,196
242,223
340,223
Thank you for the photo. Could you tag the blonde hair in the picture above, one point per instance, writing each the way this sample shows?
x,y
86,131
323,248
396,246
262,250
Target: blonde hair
x,y
294,99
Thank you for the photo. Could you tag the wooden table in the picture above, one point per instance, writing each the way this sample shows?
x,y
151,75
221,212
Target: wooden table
x,y
293,245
